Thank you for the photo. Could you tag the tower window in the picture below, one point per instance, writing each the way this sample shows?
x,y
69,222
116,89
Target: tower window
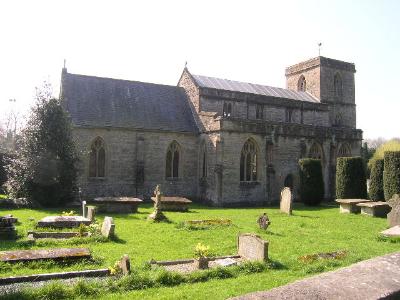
x,y
337,84
302,84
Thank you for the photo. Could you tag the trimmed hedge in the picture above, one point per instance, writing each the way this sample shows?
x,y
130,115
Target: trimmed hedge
x,y
311,181
391,174
376,183
351,181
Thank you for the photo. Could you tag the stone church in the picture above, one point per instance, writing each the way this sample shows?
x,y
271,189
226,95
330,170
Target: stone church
x,y
218,141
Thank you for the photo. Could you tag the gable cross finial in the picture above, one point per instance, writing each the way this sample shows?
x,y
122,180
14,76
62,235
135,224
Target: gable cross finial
x,y
319,48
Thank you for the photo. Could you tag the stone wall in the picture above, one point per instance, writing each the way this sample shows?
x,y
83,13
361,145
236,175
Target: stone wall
x,y
128,150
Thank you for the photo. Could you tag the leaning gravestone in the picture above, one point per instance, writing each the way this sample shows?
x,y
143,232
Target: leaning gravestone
x,y
286,201
394,216
252,247
108,227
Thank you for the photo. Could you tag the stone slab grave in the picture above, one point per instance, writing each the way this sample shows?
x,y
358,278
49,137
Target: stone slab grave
x,y
63,221
286,201
374,209
52,254
392,232
108,227
123,205
7,228
394,216
173,203
348,206
377,278
250,248
34,235
107,230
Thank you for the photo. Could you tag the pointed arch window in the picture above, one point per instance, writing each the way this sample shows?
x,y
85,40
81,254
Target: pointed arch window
x,y
344,151
302,84
338,120
172,161
259,111
97,160
337,84
248,162
315,151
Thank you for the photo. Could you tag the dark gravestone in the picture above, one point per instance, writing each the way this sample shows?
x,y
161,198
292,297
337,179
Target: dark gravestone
x,y
54,254
263,221
7,228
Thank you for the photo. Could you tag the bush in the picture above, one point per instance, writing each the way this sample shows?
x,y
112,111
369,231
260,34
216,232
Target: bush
x,y
391,174
351,182
311,181
376,183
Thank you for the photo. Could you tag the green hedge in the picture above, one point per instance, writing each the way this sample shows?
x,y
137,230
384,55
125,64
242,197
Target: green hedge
x,y
391,174
351,182
376,183
311,181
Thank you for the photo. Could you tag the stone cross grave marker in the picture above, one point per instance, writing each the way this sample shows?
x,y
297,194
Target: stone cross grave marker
x,y
394,216
108,227
286,201
252,247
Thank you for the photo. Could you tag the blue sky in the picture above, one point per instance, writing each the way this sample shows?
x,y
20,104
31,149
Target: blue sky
x,y
240,40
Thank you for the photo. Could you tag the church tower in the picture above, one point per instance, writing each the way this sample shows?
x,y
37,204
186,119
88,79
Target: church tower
x,y
332,82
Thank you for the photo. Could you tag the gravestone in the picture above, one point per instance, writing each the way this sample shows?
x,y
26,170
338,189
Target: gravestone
x,y
91,212
7,228
286,201
263,221
125,265
108,227
394,216
252,247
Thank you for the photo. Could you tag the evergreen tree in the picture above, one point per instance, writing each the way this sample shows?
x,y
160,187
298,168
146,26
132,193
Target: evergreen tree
x,y
44,168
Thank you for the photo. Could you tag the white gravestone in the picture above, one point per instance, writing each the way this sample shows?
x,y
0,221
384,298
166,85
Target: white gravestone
x,y
252,247
286,201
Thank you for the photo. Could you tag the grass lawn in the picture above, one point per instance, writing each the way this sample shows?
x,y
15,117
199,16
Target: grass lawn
x,y
307,231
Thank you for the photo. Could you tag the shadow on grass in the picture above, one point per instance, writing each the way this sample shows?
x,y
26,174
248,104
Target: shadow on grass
x,y
268,232
117,240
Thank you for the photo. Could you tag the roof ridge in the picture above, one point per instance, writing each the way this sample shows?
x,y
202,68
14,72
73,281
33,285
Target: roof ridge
x,y
254,85
123,80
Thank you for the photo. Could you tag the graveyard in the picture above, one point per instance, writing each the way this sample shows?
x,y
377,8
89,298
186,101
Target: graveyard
x,y
311,240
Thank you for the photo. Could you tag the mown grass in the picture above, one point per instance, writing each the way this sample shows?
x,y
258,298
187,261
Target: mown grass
x,y
3,196
307,231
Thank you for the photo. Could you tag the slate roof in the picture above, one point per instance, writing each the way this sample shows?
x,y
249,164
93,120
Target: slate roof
x,y
105,102
251,88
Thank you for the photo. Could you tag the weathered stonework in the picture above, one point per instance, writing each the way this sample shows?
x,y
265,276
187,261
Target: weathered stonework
x,y
209,160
